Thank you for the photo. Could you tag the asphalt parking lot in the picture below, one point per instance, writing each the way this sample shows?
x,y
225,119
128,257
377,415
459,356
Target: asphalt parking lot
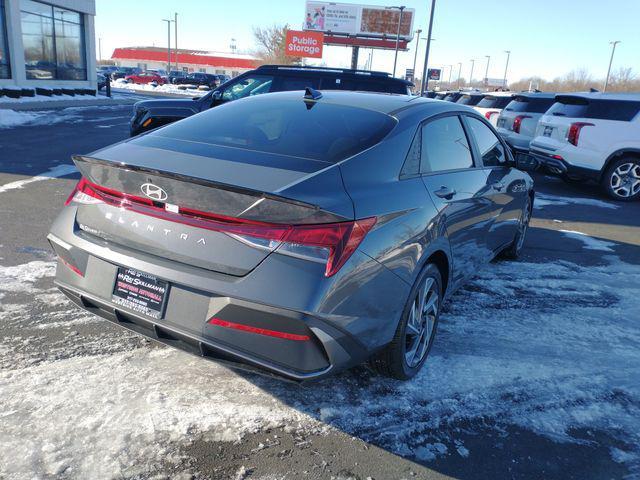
x,y
534,372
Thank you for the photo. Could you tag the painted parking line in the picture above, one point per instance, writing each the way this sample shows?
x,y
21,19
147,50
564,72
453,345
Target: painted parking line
x,y
55,172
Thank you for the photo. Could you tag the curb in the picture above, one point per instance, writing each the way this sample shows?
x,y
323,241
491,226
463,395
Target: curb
x,y
52,104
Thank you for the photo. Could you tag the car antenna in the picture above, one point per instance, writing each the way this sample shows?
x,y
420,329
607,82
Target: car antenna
x,y
312,94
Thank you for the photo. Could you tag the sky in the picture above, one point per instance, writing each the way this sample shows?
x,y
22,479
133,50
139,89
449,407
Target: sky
x,y
547,38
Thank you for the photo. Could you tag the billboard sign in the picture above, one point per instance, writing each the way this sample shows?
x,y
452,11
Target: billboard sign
x,y
434,73
358,20
304,44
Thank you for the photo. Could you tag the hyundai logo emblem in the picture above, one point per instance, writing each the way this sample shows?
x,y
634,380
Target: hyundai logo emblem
x,y
153,191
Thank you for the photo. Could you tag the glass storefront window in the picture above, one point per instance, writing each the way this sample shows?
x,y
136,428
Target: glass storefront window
x,y
53,40
5,67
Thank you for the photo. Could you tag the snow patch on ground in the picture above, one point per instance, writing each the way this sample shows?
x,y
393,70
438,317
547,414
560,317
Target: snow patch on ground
x,y
12,118
549,348
55,172
544,199
44,98
590,243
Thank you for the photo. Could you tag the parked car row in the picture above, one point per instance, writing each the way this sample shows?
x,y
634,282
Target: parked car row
x,y
590,136
150,114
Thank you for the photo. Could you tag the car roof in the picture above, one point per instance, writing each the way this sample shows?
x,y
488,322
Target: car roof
x,y
499,94
535,94
387,103
333,72
629,97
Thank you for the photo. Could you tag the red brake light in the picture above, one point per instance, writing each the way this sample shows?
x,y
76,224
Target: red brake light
x,y
574,131
488,114
339,240
260,331
517,122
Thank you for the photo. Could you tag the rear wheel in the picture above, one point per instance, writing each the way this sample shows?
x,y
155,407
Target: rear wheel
x,y
621,180
405,355
513,251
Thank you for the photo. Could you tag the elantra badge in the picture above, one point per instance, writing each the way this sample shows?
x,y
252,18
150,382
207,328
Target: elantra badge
x,y
153,191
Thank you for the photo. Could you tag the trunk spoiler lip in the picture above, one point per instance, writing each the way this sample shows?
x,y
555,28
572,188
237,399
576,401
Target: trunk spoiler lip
x,y
187,178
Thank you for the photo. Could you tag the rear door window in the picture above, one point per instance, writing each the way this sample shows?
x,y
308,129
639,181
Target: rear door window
x,y
489,146
285,84
444,146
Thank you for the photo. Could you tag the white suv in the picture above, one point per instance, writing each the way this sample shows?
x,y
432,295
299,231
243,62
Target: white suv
x,y
593,136
492,104
518,121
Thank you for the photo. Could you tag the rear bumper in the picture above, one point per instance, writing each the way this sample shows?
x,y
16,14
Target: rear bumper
x,y
341,319
561,167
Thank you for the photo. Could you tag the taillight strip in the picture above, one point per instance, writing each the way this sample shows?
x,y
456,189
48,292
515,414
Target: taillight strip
x,y
260,331
341,238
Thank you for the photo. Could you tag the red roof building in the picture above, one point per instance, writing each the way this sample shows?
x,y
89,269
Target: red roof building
x,y
188,60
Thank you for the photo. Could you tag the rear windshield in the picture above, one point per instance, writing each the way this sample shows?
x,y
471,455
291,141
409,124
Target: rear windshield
x,y
493,102
469,99
317,131
530,104
363,85
575,107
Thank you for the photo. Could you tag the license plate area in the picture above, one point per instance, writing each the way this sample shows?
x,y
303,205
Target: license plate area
x,y
140,292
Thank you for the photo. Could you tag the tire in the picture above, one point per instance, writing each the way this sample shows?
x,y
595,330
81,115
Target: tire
x,y
621,179
513,251
394,361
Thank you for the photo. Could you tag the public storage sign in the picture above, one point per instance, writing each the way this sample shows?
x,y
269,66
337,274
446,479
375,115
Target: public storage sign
x,y
304,44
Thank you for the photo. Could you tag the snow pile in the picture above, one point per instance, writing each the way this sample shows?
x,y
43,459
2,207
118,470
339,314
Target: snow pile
x,y
590,243
44,98
12,118
549,348
167,88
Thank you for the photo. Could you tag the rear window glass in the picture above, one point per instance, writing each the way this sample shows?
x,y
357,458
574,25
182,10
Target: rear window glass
x,y
530,104
493,102
469,100
270,124
574,107
364,85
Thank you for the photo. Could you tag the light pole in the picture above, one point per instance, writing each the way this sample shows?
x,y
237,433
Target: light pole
x,y
613,50
504,80
486,72
450,72
415,56
471,74
426,53
395,59
175,37
168,43
99,49
459,72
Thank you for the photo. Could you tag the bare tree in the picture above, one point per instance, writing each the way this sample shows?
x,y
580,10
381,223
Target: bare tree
x,y
622,80
271,45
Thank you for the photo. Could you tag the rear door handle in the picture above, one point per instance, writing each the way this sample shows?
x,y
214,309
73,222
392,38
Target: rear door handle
x,y
445,192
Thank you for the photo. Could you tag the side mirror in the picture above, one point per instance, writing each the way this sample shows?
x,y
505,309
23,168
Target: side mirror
x,y
217,95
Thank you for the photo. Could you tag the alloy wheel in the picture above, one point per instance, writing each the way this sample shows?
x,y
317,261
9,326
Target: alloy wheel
x,y
421,323
625,180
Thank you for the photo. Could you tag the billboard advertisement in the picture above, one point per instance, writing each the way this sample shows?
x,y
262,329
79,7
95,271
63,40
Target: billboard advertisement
x,y
359,20
434,73
304,44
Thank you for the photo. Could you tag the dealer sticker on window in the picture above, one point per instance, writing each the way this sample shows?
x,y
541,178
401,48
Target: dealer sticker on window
x,y
140,292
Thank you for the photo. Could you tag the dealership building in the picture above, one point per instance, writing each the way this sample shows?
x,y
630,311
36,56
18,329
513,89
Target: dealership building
x,y
47,44
155,58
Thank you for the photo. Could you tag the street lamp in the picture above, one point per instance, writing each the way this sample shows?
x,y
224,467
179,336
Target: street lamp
x,y
486,72
415,56
395,59
459,72
471,75
504,80
613,50
426,53
168,43
450,72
